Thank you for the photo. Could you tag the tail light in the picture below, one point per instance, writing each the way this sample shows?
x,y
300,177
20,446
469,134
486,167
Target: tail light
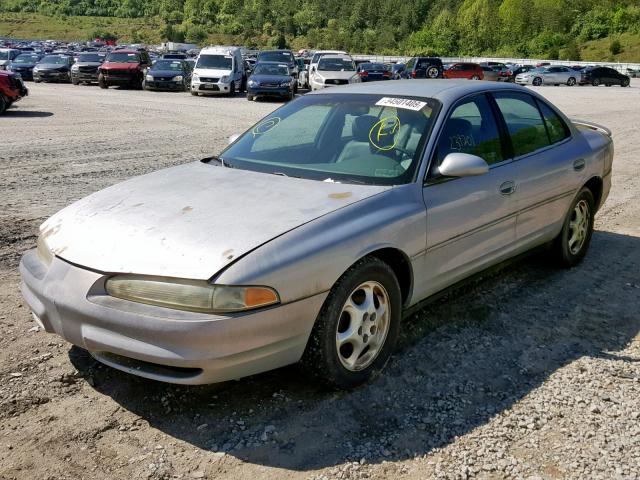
x,y
413,74
363,74
386,74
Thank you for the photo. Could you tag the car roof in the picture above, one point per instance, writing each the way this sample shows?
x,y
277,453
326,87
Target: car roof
x,y
446,91
125,50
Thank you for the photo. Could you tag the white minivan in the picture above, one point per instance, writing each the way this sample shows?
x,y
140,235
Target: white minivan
x,y
218,70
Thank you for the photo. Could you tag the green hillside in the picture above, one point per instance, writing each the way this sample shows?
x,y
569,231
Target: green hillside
x,y
554,29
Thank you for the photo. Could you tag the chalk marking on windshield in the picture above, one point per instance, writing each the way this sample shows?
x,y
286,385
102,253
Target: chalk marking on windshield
x,y
383,128
265,126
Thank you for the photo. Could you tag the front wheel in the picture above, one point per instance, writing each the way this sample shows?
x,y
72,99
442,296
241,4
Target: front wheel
x,y
475,77
232,89
3,104
537,81
357,327
433,72
595,82
75,81
571,82
102,82
250,97
625,83
570,246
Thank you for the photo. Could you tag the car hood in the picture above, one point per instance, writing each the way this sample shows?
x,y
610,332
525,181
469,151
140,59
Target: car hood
x,y
270,78
51,66
336,75
120,66
165,73
189,221
211,72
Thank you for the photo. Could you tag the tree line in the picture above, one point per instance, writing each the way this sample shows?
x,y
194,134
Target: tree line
x,y
542,28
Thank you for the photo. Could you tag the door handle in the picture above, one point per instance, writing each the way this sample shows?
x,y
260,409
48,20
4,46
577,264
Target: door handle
x,y
507,188
579,164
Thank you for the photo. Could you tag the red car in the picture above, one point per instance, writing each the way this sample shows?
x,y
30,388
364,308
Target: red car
x,y
124,68
470,71
12,89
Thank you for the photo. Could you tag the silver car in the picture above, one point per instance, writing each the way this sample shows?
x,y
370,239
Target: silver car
x,y
333,70
309,236
551,75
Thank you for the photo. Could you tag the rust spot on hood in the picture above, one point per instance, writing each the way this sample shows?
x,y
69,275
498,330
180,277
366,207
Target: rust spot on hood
x,y
340,195
187,209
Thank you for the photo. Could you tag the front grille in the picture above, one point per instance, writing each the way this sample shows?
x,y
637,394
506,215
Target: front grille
x,y
209,80
164,79
270,85
117,73
86,69
336,82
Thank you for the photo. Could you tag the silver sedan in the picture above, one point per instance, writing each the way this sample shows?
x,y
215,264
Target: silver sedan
x,y
311,235
552,75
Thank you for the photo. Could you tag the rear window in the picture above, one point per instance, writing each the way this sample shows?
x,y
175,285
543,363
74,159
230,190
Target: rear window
x,y
119,57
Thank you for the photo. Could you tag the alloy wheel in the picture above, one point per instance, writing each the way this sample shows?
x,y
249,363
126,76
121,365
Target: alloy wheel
x,y
363,326
579,226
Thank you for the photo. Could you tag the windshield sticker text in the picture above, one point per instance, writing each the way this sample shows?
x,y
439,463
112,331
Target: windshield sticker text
x,y
406,103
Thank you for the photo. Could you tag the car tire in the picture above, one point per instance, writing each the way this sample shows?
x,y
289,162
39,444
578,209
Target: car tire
x,y
102,83
595,82
537,81
232,89
250,97
195,94
624,83
355,304
433,72
75,82
571,82
475,77
36,81
243,85
4,104
571,245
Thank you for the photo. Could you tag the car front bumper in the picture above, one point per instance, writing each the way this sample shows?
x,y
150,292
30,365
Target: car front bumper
x,y
164,85
159,343
210,88
85,76
26,74
52,76
269,91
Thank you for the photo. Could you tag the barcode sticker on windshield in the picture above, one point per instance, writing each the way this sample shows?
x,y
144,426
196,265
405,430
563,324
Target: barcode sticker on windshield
x,y
406,103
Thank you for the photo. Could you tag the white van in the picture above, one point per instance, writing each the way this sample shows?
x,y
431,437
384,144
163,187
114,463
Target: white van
x,y
313,64
218,70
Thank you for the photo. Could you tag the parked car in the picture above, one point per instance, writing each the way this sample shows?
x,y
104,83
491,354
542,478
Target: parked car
x,y
303,73
334,70
514,72
336,222
124,67
53,68
168,74
424,67
489,74
370,72
281,56
397,70
219,70
23,65
470,71
85,70
271,79
633,72
174,56
7,55
315,58
552,75
12,89
603,76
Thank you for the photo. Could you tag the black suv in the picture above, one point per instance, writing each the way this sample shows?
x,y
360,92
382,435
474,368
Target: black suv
x,y
424,67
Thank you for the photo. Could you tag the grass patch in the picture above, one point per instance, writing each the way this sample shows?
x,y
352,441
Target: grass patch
x,y
598,50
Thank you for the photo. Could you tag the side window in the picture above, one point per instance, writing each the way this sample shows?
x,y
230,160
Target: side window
x,y
410,63
556,127
525,125
472,129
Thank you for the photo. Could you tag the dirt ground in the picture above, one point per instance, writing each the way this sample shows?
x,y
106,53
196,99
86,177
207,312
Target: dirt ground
x,y
530,373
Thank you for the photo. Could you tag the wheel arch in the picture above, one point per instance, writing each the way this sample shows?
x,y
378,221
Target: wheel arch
x,y
595,185
401,266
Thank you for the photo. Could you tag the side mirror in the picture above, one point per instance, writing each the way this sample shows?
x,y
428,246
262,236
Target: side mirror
x,y
463,165
234,137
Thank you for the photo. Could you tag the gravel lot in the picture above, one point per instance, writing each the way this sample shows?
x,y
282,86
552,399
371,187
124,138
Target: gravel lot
x,y
530,372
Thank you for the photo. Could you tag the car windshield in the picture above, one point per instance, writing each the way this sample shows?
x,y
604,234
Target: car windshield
x,y
266,69
4,55
362,138
336,65
168,65
90,57
123,57
275,57
221,62
26,59
54,60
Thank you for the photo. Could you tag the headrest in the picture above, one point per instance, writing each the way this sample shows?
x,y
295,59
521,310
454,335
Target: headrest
x,y
362,126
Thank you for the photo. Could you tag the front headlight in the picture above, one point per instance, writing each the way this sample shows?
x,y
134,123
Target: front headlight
x,y
224,78
318,79
43,251
149,78
285,84
253,83
195,78
190,295
75,68
177,78
35,69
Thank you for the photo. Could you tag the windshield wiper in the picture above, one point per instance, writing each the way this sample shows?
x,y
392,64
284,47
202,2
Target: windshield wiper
x,y
216,160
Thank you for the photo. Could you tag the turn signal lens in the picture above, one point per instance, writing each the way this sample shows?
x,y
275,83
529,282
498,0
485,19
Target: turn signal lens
x,y
190,295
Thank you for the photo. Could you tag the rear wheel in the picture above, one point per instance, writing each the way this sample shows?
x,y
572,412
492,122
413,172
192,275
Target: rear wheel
x,y
250,97
357,327
433,72
571,82
570,246
595,82
102,82
475,77
194,93
537,81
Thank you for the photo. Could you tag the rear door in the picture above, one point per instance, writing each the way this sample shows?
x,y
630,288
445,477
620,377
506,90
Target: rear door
x,y
470,220
546,162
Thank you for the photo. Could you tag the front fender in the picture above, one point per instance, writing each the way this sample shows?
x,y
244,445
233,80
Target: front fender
x,y
310,259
